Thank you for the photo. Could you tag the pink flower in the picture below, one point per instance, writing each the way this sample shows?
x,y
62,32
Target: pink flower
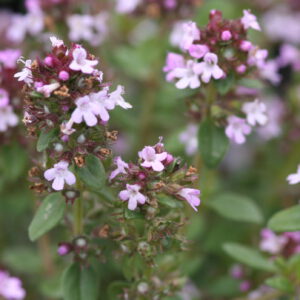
x,y
152,159
188,76
47,89
237,271
81,63
116,98
80,27
189,139
249,21
26,74
133,196
191,196
226,35
56,42
270,72
257,57
255,112
236,129
9,57
86,111
246,46
270,242
209,68
173,61
294,178
190,33
4,98
121,168
100,104
11,287
60,175
198,51
7,118
126,6
245,286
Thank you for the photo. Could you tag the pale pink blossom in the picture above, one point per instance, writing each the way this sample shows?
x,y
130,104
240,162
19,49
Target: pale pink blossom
x,y
66,127
256,112
55,42
133,196
11,287
198,51
60,175
9,58
257,57
35,23
271,243
81,27
289,55
126,6
189,138
270,72
236,129
85,111
151,159
116,98
7,118
4,98
295,177
188,76
209,68
100,104
81,63
17,28
26,74
173,61
121,168
190,33
47,89
191,196
249,20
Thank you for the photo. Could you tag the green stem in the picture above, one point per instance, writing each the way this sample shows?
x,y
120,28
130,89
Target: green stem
x,y
78,217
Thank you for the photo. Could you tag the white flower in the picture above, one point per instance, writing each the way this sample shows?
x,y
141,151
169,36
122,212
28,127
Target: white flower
x,y
26,74
81,27
255,112
17,29
209,68
85,111
133,196
56,42
47,89
121,168
249,20
60,174
116,98
236,129
7,118
188,76
35,23
126,6
81,63
294,178
269,71
271,242
101,104
190,33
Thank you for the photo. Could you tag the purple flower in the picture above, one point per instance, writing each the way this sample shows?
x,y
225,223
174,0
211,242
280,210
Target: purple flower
x,y
152,159
116,98
190,33
81,63
4,98
86,111
9,57
11,287
249,20
188,76
198,51
47,89
237,271
270,72
191,196
289,55
270,242
173,61
133,196
257,57
209,68
236,129
121,168
294,178
245,286
255,112
60,175
7,118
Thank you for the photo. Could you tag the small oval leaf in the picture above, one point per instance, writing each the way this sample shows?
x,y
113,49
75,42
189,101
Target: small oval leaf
x,y
47,216
45,139
236,207
213,143
286,220
249,257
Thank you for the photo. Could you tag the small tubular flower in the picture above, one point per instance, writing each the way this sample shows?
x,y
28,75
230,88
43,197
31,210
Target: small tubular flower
x,y
133,196
255,112
121,168
81,63
191,196
151,159
236,129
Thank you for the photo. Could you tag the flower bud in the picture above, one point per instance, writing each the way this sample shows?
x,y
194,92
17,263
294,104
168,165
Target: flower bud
x,y
143,288
48,61
64,249
80,242
241,69
226,35
246,46
63,75
169,159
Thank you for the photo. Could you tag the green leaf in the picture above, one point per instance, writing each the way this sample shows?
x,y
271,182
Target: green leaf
x,y
116,289
45,138
280,283
80,283
249,257
224,85
236,207
47,216
169,201
93,173
133,214
286,220
213,143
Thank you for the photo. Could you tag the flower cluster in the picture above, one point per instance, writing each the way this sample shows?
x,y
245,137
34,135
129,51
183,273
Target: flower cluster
x,y
156,173
11,287
155,8
66,100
